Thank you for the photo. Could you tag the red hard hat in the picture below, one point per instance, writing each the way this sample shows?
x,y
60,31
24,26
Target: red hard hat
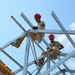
x,y
37,15
51,36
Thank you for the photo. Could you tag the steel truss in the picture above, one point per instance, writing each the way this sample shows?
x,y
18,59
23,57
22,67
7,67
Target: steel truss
x,y
66,56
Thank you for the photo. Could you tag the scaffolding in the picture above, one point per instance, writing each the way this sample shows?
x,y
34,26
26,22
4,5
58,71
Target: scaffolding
x,y
29,41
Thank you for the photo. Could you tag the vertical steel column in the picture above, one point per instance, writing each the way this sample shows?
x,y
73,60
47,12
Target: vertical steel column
x,y
26,55
62,27
48,65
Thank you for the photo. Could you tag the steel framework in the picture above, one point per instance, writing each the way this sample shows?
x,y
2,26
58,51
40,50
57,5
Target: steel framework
x,y
50,68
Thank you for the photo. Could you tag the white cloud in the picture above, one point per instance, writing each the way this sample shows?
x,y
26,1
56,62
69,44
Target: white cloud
x,y
64,40
61,38
71,64
68,46
72,26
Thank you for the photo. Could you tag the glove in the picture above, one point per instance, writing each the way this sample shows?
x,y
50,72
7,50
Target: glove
x,y
34,27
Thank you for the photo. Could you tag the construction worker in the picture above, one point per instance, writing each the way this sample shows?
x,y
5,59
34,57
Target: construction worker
x,y
55,48
38,36
40,25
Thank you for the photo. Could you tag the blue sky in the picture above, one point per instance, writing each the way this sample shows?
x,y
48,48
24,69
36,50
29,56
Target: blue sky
x,y
64,9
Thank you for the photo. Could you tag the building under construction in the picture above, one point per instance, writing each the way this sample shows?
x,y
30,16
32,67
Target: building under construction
x,y
4,70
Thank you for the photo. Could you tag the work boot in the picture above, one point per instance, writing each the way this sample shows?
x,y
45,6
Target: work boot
x,y
38,63
15,44
39,40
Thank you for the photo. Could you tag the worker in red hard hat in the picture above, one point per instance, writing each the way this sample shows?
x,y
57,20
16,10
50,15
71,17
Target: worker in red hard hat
x,y
55,49
40,25
51,36
54,43
37,16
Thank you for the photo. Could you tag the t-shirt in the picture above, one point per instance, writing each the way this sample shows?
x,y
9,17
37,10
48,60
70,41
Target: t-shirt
x,y
41,25
55,43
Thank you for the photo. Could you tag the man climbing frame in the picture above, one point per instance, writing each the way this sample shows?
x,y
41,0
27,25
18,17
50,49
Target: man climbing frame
x,y
36,36
55,49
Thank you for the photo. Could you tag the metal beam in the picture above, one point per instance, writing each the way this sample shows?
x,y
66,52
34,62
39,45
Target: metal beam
x,y
39,46
31,25
26,19
45,55
57,73
11,58
65,66
64,54
72,32
18,23
59,63
62,27
26,55
48,65
7,44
